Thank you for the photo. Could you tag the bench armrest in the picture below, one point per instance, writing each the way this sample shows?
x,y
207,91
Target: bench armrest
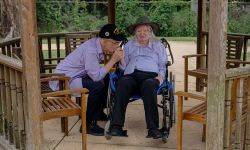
x,y
191,95
64,92
194,55
53,78
237,61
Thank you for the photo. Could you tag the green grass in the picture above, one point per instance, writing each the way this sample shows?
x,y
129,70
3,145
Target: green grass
x,y
54,55
53,41
248,56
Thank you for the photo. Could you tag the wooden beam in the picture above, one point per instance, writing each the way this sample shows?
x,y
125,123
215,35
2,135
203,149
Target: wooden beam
x,y
111,11
216,74
201,26
31,80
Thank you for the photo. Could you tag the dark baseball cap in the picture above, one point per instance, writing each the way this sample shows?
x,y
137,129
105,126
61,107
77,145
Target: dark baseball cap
x,y
110,31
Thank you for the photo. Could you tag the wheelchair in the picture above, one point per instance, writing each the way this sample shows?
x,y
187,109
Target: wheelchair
x,y
166,90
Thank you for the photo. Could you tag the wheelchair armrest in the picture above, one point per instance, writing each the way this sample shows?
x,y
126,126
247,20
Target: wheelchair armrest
x,y
119,71
64,92
165,84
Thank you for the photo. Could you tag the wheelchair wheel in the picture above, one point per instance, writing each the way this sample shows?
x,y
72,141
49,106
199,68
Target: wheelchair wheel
x,y
107,135
172,108
109,102
172,99
166,123
110,106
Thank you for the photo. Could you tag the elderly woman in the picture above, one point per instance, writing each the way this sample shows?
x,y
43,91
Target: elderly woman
x,y
144,70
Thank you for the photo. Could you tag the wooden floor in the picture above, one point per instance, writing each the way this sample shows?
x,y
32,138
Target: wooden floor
x,y
136,126
135,122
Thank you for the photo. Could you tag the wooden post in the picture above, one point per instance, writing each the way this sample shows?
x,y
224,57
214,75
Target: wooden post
x,y
216,74
2,100
239,105
201,20
111,11
228,99
180,122
31,76
247,140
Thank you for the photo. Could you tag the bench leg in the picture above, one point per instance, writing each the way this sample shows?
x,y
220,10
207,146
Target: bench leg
x,y
179,123
83,116
203,133
186,78
64,125
78,101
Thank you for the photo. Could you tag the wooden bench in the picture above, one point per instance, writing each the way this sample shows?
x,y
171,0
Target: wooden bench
x,y
239,96
60,105
233,55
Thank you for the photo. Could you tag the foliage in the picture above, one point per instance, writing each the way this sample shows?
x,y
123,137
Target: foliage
x,y
174,16
125,13
238,19
184,23
162,12
49,16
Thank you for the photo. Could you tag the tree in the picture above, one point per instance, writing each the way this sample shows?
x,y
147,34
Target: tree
x,y
11,18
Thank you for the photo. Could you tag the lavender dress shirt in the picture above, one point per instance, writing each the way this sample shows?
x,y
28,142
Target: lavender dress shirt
x,y
83,61
152,58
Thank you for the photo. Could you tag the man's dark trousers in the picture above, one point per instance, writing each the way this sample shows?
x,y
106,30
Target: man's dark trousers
x,y
96,99
146,85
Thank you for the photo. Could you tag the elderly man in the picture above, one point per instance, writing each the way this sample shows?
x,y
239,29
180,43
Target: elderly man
x,y
84,69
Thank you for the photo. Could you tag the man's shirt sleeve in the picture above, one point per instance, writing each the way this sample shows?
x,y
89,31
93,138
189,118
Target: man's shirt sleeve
x,y
93,68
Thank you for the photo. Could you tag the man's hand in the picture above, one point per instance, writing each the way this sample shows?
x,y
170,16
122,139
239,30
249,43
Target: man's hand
x,y
117,55
159,78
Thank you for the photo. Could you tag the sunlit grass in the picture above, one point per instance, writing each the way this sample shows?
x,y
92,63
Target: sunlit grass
x,y
53,55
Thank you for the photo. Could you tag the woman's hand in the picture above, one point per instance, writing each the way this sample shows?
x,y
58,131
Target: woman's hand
x,y
159,78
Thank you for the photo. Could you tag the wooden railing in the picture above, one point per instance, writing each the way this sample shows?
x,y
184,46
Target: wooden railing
x,y
7,47
12,102
237,109
12,108
51,48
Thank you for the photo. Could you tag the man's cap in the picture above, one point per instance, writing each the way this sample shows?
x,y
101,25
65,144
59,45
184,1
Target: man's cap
x,y
110,31
143,21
